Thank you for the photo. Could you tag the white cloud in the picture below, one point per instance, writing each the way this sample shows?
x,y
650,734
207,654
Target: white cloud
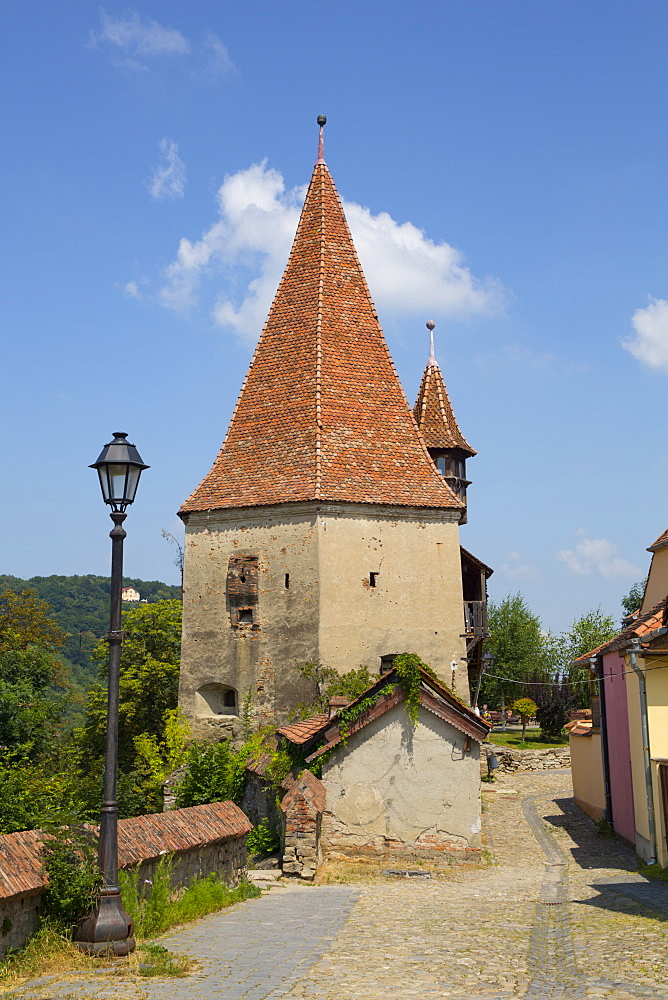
x,y
649,341
131,289
132,37
515,569
249,244
597,555
169,178
219,57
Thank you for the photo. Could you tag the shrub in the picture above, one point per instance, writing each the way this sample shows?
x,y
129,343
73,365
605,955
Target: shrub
x,y
69,858
155,907
263,840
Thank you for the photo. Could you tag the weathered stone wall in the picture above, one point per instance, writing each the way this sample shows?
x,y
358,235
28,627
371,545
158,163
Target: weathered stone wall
x,y
399,790
19,918
259,801
416,604
261,655
511,759
226,859
314,600
302,808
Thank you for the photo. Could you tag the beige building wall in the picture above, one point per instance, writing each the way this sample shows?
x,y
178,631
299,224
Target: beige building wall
x,y
657,712
416,602
587,773
396,787
315,602
657,581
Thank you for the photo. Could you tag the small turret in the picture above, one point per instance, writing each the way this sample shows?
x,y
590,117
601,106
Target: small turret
x,y
433,412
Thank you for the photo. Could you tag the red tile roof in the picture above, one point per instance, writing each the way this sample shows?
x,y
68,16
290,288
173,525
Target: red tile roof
x,y
660,542
322,414
139,839
433,696
301,732
434,414
638,628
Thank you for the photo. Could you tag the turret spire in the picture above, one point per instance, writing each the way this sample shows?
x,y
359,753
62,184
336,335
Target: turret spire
x,y
322,121
431,326
434,415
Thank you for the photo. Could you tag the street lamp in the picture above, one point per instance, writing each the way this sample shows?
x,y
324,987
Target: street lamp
x,y
109,929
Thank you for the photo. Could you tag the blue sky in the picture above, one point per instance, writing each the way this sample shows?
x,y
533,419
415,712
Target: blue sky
x,y
503,167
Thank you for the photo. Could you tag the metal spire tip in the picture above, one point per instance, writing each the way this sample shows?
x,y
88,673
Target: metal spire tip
x,y
322,121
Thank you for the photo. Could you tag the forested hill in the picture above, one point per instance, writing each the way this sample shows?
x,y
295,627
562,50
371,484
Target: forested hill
x,y
81,607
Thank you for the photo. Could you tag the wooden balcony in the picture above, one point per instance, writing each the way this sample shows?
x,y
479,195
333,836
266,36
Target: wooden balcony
x,y
475,619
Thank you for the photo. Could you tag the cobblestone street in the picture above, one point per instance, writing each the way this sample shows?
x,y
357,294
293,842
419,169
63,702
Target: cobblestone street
x,y
561,913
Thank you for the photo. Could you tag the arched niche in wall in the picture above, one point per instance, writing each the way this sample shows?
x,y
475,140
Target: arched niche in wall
x,y
216,699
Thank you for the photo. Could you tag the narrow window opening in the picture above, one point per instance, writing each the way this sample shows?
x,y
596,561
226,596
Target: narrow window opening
x,y
230,699
372,579
287,581
245,616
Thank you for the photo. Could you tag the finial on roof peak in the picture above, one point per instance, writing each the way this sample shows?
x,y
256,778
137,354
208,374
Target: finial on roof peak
x,y
431,326
322,121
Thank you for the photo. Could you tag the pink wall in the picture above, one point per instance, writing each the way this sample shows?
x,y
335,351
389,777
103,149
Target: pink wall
x,y
619,749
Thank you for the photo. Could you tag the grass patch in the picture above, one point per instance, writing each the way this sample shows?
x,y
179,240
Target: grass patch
x,y
514,739
153,959
48,952
155,908
655,872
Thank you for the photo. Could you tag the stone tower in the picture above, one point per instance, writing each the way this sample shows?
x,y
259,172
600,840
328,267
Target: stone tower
x,y
447,445
323,531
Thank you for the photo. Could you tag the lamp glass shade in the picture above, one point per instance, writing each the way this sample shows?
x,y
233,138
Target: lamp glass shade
x,y
119,468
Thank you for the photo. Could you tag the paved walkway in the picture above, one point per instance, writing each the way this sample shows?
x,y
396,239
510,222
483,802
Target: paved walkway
x,y
561,915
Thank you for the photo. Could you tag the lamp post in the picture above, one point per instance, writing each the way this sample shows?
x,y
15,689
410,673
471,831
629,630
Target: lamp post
x,y
109,928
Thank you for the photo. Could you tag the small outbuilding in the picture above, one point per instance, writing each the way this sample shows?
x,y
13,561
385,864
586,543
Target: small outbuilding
x,y
401,775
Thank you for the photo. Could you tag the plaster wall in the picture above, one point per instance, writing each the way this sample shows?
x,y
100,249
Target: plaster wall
x,y
619,749
587,773
399,788
416,604
657,711
657,581
261,656
330,612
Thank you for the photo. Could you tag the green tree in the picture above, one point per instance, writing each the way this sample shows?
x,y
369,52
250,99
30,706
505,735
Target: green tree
x,y
149,681
32,678
632,601
519,648
585,634
526,708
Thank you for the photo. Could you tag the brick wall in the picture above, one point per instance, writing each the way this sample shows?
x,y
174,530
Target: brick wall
x,y
302,808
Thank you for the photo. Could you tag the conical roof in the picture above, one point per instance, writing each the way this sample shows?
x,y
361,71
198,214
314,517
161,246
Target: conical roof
x,y
322,414
434,414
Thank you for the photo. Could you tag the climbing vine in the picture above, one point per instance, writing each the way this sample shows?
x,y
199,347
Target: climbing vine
x,y
348,716
408,667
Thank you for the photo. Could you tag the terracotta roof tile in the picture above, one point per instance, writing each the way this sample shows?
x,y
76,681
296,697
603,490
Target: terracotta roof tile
x,y
660,542
640,626
438,700
322,414
302,732
434,414
140,838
